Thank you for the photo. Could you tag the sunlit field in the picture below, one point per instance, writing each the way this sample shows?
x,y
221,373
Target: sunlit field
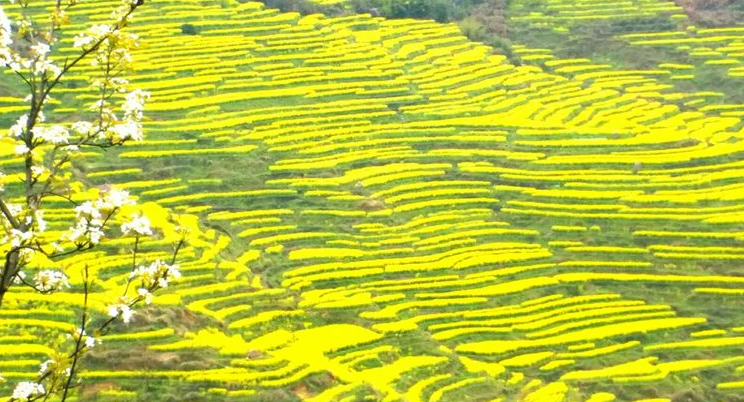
x,y
381,209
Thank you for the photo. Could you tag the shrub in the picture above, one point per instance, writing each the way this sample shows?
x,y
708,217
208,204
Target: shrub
x,y
188,29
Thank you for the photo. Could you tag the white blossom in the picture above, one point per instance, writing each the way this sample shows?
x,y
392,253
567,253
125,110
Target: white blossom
x,y
100,105
129,130
93,35
46,67
89,209
56,135
51,366
48,280
86,232
41,64
16,65
25,255
40,49
134,103
90,217
122,308
139,225
89,341
116,84
38,171
116,199
27,390
146,294
16,237
83,128
89,225
6,39
119,84
17,129
41,223
5,31
19,278
44,367
21,149
156,275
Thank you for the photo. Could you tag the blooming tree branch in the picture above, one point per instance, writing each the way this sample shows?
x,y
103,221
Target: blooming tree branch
x,y
57,376
46,148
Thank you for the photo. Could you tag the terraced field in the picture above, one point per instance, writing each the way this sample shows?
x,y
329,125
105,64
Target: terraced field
x,y
384,210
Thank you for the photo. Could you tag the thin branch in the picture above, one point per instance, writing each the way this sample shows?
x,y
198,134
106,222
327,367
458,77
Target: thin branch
x,y
134,262
23,77
85,53
52,194
79,247
31,285
9,215
78,344
177,249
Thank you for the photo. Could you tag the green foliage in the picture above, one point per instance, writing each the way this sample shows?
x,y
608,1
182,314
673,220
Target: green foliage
x,y
303,7
622,26
189,29
439,10
486,23
473,29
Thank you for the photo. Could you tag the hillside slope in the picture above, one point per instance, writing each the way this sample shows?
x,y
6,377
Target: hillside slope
x,y
391,212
